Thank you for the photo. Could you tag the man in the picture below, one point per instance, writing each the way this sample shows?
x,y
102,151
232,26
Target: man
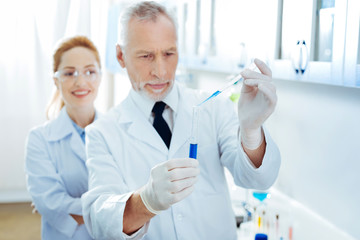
x,y
141,183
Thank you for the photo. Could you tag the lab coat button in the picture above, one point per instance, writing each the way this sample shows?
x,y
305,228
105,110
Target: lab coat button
x,y
180,217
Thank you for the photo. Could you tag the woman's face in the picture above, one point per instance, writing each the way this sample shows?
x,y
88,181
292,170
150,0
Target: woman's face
x,y
78,78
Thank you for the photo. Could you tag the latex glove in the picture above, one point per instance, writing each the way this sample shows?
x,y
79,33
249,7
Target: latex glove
x,y
257,102
169,183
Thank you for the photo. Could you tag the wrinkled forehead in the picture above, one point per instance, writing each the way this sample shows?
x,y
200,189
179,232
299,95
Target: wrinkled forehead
x,y
158,34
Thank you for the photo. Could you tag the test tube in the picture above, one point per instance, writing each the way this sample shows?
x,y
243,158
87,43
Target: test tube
x,y
194,133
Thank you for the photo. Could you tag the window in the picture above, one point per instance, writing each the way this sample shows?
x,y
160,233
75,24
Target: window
x,y
322,35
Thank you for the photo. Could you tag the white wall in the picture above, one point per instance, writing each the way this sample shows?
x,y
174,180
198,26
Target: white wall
x,y
317,128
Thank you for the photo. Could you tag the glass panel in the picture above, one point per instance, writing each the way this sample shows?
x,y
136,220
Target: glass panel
x,y
204,41
243,30
324,30
296,26
358,57
358,61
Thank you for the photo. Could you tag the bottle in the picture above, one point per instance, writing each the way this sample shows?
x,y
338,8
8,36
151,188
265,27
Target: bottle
x,y
277,231
300,57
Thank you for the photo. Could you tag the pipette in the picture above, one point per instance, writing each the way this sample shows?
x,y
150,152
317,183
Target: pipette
x,y
195,118
235,80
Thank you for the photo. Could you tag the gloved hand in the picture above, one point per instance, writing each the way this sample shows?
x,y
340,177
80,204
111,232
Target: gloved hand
x,y
169,183
257,102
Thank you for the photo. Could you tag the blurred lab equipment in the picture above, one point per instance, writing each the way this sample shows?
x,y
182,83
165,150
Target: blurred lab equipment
x,y
260,209
300,57
261,236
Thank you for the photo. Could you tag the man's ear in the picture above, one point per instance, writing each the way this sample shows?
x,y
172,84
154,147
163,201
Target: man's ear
x,y
120,55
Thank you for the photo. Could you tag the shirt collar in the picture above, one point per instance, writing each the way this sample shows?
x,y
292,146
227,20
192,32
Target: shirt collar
x,y
77,127
146,104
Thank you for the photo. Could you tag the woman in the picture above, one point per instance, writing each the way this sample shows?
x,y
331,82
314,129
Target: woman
x,y
55,151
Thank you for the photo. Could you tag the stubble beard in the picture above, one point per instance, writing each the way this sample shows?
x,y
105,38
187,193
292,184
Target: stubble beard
x,y
140,88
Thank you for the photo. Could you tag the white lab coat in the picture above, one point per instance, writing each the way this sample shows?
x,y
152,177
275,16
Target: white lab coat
x,y
57,177
123,146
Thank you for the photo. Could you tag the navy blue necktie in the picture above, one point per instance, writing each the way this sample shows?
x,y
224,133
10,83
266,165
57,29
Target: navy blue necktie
x,y
159,123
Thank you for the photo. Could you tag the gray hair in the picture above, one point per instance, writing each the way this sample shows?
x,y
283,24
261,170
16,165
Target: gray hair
x,y
143,11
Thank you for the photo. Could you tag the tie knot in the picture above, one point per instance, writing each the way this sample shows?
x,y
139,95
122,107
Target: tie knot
x,y
158,108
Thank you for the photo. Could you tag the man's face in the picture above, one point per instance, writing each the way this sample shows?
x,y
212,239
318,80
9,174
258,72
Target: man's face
x,y
150,57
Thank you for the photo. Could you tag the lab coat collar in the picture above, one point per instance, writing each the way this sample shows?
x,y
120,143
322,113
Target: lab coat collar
x,y
172,99
141,128
139,125
62,127
143,103
146,104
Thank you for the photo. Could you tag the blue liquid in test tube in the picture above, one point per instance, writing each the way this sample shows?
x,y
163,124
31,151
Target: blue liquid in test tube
x,y
193,150
194,133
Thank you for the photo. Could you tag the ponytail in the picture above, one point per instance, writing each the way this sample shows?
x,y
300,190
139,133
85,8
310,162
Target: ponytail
x,y
55,105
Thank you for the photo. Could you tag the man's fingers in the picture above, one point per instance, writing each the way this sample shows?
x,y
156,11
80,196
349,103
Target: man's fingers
x,y
183,194
257,82
179,186
182,173
181,163
264,69
249,74
269,93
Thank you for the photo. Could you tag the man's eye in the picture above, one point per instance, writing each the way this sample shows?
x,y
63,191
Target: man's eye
x,y
145,56
169,54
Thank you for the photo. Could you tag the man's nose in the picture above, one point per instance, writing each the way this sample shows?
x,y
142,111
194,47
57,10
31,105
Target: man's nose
x,y
159,68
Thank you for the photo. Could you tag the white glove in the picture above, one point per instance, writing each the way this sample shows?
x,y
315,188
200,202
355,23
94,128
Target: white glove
x,y
169,183
257,102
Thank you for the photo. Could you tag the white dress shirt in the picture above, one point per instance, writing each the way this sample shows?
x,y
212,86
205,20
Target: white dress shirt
x,y
146,104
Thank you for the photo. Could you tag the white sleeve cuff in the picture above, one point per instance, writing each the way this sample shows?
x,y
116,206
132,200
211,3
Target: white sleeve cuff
x,y
242,148
139,234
